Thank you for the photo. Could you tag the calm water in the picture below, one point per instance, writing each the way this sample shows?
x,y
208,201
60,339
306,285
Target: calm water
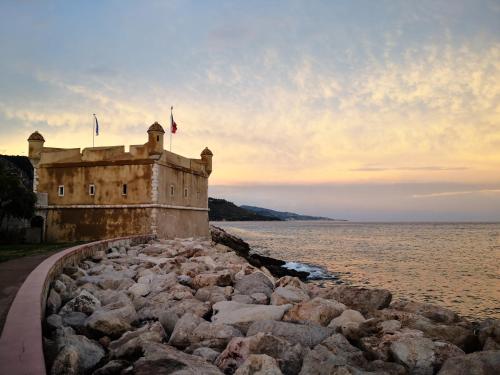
x,y
452,264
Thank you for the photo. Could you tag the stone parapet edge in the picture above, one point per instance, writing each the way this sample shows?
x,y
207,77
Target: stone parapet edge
x,y
21,343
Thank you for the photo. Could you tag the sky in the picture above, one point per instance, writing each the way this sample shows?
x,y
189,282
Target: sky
x,y
363,110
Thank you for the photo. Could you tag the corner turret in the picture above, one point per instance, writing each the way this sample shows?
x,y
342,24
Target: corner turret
x,y
155,138
35,142
206,158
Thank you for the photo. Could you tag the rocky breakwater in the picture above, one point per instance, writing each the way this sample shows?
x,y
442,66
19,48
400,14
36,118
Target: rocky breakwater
x,y
197,307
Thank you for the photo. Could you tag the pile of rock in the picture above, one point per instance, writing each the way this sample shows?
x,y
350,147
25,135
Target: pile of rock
x,y
196,307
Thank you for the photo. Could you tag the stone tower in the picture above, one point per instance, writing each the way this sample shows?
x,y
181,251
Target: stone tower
x,y
155,138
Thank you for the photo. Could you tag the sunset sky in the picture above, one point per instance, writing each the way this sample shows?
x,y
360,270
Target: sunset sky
x,y
365,110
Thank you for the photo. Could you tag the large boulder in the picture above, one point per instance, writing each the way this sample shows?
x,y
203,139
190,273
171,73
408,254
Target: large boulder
x,y
488,332
220,278
321,361
53,302
479,363
288,294
131,343
77,354
317,311
163,359
241,314
288,355
306,335
213,294
433,312
361,299
256,282
182,332
114,318
421,355
259,364
348,323
84,302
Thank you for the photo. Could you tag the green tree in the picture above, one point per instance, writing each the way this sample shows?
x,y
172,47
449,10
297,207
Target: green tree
x,y
16,201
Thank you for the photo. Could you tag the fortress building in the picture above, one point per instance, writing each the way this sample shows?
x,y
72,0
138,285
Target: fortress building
x,y
105,192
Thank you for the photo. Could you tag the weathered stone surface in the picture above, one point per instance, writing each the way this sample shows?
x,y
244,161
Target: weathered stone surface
x,y
489,329
229,312
183,330
162,359
140,289
361,299
113,367
256,282
84,302
107,323
77,354
53,302
213,294
75,320
290,281
288,294
479,363
221,278
318,311
348,323
53,322
131,343
322,361
213,335
259,364
390,326
288,356
378,347
306,335
260,298
416,353
208,354
242,298
433,312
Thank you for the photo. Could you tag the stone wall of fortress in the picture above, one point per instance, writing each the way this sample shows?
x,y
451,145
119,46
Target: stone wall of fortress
x,y
108,192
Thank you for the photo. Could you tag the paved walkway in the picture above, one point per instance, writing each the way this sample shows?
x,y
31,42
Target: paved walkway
x,y
12,275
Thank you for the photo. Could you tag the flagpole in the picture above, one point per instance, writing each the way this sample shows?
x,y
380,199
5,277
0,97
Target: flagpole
x,y
171,118
93,130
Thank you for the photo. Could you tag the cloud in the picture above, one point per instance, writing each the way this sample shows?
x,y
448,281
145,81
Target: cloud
x,y
424,168
456,193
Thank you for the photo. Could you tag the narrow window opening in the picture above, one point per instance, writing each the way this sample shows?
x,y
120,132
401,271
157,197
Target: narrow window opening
x,y
172,190
124,189
91,189
157,138
60,190
185,192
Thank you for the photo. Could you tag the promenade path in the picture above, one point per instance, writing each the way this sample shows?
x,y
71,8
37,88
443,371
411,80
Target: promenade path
x,y
12,275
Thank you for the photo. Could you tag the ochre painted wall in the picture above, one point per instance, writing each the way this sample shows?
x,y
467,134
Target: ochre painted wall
x,y
108,181
86,224
197,188
173,223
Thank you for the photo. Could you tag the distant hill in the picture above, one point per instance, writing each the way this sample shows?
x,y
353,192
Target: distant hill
x,y
222,210
284,215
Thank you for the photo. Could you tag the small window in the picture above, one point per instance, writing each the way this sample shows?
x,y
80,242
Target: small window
x,y
91,189
60,190
172,190
157,138
124,189
185,192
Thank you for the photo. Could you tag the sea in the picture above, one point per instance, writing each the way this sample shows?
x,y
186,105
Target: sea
x,y
456,265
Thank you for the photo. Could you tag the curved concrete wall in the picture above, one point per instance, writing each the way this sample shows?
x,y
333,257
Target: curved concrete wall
x,y
21,344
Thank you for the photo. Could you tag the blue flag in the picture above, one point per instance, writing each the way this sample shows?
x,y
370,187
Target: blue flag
x,y
96,125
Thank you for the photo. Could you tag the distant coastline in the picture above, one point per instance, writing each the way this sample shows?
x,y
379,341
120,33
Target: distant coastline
x,y
223,210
